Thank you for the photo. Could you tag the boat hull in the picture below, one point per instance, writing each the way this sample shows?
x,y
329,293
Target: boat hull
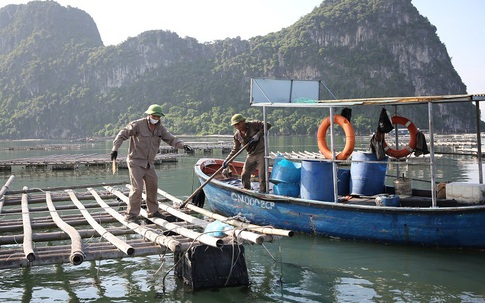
x,y
451,227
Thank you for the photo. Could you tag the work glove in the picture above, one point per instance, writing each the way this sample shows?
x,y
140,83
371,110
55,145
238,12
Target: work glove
x,y
114,155
254,138
224,164
188,149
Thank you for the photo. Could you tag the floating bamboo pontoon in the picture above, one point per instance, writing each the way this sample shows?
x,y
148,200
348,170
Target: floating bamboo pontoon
x,y
52,226
75,161
206,147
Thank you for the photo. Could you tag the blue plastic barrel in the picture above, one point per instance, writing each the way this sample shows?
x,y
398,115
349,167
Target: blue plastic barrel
x,y
343,181
287,189
285,171
367,179
316,180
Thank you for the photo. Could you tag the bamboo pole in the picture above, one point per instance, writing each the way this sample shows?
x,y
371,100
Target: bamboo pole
x,y
41,199
58,207
77,254
73,219
203,238
27,244
4,190
121,245
44,223
60,254
249,236
178,213
64,250
58,235
64,187
250,227
154,237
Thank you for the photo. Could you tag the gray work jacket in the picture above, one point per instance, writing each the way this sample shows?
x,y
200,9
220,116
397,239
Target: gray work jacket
x,y
144,143
239,140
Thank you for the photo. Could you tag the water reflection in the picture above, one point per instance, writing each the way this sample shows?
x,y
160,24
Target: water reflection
x,y
324,270
451,169
299,269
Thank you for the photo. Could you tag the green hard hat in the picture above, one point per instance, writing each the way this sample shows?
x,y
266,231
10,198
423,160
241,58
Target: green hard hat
x,y
237,118
155,110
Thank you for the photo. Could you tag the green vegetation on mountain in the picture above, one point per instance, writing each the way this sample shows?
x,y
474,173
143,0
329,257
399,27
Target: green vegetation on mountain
x,y
58,80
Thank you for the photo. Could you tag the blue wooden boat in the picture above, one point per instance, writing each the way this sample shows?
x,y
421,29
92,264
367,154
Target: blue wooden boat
x,y
414,222
420,217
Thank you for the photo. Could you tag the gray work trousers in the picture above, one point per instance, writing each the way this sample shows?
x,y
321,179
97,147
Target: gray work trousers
x,y
252,162
141,177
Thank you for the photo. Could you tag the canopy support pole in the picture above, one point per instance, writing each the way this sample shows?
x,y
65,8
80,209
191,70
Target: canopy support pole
x,y
266,150
334,156
479,143
432,168
396,140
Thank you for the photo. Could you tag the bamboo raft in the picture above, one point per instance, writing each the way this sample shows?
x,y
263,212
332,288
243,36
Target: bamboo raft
x,y
206,147
76,161
167,154
88,143
52,226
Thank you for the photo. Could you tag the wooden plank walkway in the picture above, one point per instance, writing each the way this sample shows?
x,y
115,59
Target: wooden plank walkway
x,y
77,224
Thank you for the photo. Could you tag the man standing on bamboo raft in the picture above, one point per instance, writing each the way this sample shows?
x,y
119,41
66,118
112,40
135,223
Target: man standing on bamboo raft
x,y
145,136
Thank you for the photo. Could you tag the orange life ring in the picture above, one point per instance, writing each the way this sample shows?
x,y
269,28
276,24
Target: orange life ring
x,y
349,137
413,130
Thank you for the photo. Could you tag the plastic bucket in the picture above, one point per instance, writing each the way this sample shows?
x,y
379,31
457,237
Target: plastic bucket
x,y
402,186
287,189
285,171
316,181
216,228
367,179
388,200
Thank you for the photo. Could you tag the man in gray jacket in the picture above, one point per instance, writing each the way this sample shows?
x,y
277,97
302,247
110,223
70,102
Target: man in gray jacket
x,y
145,136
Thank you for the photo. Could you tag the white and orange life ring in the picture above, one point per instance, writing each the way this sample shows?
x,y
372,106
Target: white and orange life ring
x,y
349,137
409,148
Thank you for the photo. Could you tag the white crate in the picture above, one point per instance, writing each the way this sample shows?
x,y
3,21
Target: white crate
x,y
466,192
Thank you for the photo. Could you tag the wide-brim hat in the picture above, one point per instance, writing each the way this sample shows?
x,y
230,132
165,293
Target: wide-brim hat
x,y
237,118
155,110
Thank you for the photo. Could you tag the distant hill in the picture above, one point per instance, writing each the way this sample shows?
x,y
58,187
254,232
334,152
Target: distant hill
x,y
57,79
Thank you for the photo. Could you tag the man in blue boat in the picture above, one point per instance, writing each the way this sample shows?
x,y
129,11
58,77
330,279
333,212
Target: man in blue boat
x,y
145,136
249,132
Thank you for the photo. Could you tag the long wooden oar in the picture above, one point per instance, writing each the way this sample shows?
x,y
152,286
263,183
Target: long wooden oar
x,y
213,175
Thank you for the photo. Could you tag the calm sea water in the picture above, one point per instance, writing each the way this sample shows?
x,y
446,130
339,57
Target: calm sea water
x,y
299,269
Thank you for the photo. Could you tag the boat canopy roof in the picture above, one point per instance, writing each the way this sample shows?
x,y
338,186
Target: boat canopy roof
x,y
292,93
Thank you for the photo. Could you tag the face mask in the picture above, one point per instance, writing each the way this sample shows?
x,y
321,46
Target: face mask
x,y
153,121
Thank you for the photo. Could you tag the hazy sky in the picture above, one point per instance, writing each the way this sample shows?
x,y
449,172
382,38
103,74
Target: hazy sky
x,y
457,23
